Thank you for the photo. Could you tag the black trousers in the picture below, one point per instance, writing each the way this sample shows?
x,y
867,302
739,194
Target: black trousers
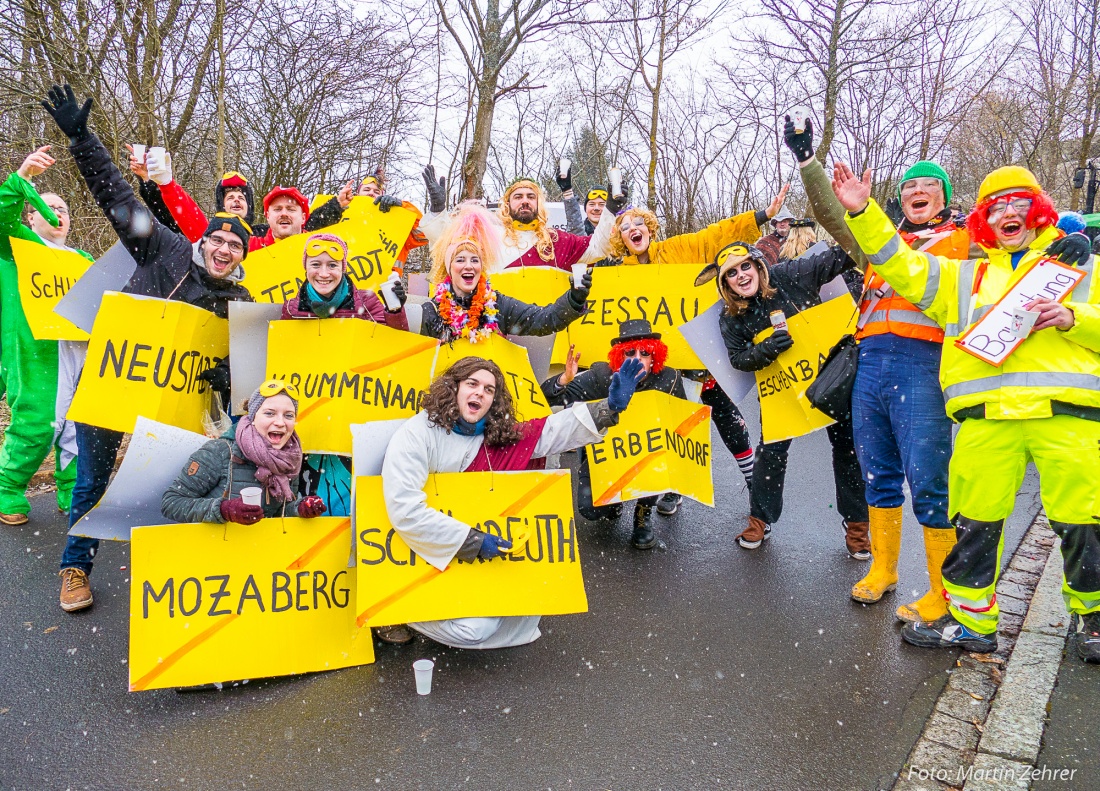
x,y
726,417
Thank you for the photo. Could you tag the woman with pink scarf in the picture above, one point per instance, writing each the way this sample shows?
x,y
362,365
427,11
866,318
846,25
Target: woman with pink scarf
x,y
261,451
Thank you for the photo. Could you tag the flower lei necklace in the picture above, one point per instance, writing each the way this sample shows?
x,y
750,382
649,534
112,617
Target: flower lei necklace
x,y
464,323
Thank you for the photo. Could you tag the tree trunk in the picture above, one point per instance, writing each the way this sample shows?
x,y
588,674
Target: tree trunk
x,y
473,169
832,86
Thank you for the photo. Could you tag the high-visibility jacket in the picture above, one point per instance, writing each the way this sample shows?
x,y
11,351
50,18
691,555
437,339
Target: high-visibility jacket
x,y
1051,366
702,246
882,310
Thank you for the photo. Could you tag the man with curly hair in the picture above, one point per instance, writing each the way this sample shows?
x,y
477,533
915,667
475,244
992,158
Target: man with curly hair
x,y
469,424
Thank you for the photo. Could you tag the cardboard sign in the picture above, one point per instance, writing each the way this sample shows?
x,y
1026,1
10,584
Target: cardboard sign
x,y
704,336
156,455
785,412
348,371
525,387
992,338
45,276
213,603
537,285
397,586
665,295
374,238
144,358
661,444
110,273
248,348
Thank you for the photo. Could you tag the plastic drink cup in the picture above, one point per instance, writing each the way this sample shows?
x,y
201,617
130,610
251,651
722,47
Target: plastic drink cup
x,y
139,152
615,178
252,495
1023,321
563,167
578,274
779,320
798,118
393,304
422,669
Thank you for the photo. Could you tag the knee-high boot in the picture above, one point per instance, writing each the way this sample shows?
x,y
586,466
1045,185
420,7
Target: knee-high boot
x,y
885,532
932,605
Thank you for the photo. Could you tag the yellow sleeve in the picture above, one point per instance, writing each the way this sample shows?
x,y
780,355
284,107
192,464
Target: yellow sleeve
x,y
1086,315
928,281
701,247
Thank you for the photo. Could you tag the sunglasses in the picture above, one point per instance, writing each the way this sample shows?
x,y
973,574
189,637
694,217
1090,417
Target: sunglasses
x,y
745,267
275,386
636,352
318,246
635,220
1021,205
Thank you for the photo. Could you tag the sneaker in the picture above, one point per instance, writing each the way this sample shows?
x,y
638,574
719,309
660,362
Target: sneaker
x,y
755,534
1087,636
857,540
948,633
14,520
669,504
643,536
398,634
76,590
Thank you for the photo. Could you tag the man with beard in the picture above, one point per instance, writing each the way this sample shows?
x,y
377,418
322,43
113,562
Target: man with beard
x,y
771,244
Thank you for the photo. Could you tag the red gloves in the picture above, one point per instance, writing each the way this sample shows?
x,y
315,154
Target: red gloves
x,y
236,510
311,506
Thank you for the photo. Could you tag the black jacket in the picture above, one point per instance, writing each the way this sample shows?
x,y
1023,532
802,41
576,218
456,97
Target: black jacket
x,y
166,261
150,193
797,284
513,317
593,384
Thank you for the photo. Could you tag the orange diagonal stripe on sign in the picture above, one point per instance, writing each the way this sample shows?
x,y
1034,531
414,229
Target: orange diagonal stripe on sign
x,y
320,402
696,418
526,499
401,593
626,478
393,358
181,652
315,550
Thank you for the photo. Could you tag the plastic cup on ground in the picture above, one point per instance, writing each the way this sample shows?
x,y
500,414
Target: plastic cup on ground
x,y
253,495
563,167
1023,321
422,668
578,274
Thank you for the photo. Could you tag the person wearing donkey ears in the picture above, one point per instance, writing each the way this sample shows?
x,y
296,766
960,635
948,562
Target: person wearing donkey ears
x,y
468,424
751,293
261,451
636,340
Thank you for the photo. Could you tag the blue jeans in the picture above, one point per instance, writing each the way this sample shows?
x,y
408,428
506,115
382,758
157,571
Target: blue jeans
x,y
901,428
97,449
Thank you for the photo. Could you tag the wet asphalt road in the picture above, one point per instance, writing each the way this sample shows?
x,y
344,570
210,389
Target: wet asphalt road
x,y
699,665
1069,742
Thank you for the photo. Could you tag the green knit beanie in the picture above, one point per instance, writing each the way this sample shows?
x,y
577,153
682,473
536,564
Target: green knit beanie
x,y
930,170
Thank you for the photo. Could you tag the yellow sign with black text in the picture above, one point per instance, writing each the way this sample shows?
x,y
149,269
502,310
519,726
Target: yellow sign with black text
x,y
45,275
526,390
144,358
541,577
212,603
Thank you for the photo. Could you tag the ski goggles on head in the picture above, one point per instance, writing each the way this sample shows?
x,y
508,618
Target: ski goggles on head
x,y
1021,204
275,386
318,246
369,179
739,249
928,185
596,194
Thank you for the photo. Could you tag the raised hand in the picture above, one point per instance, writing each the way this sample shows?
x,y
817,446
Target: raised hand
x,y
572,365
777,202
801,144
852,191
36,163
437,190
623,384
71,118
345,194
139,169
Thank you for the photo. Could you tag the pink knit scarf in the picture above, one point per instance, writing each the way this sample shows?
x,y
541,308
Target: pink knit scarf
x,y
273,467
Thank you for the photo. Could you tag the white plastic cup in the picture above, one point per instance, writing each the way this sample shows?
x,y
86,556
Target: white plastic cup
x,y
1023,321
252,495
798,118
422,669
563,167
393,304
615,178
578,274
139,152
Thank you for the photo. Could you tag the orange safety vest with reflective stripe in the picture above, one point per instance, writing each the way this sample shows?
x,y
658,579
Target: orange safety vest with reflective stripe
x,y
882,311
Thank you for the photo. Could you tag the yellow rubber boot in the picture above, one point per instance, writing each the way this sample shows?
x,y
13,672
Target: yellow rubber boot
x,y
885,547
932,605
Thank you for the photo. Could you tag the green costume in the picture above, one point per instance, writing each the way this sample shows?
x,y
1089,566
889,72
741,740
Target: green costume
x,y
28,367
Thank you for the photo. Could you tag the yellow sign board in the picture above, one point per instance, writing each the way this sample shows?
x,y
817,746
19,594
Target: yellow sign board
x,y
513,361
211,603
348,371
374,238
45,275
661,444
663,294
538,285
144,358
541,578
785,412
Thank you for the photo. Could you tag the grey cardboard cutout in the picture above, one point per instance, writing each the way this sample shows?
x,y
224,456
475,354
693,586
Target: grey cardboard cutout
x,y
112,272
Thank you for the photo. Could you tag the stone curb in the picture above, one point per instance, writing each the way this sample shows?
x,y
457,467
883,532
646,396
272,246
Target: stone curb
x,y
985,729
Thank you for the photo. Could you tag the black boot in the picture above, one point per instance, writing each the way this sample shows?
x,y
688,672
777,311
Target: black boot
x,y
643,537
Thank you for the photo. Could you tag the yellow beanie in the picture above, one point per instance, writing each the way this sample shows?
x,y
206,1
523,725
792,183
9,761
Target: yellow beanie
x,y
1012,177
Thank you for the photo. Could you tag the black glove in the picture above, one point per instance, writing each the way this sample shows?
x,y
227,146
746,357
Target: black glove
x,y
386,202
400,293
1073,249
578,296
218,379
493,547
775,344
800,144
70,117
614,203
437,190
565,184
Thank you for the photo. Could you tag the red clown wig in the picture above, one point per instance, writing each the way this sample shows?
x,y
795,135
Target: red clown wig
x,y
656,348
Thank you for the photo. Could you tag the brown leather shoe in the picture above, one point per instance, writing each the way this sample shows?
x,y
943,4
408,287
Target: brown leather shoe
x,y
398,634
14,520
755,534
76,590
857,540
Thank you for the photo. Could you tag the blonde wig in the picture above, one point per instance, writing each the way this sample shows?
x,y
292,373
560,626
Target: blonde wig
x,y
545,235
618,246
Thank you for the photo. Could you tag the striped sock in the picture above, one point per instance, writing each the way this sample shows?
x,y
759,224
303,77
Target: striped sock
x,y
745,461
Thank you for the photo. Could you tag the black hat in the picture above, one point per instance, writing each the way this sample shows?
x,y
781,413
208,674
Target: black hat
x,y
635,330
230,223
803,223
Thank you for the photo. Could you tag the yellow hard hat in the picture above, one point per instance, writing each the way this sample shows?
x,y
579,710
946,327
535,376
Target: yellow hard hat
x,y
1012,177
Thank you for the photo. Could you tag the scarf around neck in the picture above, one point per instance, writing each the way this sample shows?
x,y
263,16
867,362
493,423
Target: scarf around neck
x,y
325,307
274,468
468,429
